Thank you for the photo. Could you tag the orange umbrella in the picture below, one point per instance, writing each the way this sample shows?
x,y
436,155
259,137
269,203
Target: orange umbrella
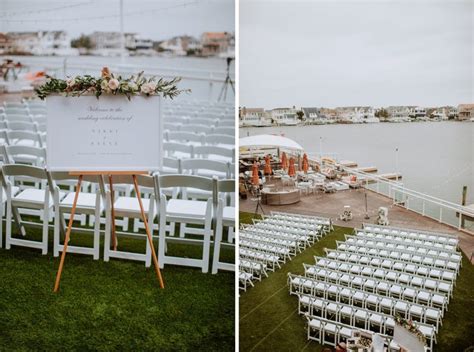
x,y
305,163
255,180
291,170
268,168
284,161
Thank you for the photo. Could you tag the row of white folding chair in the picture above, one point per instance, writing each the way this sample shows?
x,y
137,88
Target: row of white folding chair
x,y
389,263
314,287
330,332
379,303
390,243
178,121
298,217
22,126
180,150
172,210
310,236
407,254
292,245
207,168
302,241
320,229
267,226
375,263
271,261
345,271
416,242
300,224
413,234
377,322
283,253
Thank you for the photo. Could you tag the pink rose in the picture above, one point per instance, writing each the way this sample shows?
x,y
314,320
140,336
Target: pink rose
x,y
114,84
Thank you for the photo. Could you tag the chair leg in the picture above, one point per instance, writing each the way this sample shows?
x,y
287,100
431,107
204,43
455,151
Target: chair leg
x,y
45,228
107,233
217,246
206,249
2,211
8,230
57,224
97,235
162,237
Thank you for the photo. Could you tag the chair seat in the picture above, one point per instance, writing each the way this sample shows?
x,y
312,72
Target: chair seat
x,y
187,208
130,205
30,196
85,201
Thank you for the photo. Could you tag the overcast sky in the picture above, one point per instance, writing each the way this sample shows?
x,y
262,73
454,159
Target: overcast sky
x,y
155,19
330,53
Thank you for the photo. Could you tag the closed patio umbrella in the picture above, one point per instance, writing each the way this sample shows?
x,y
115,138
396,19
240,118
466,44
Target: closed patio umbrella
x,y
284,161
291,170
305,163
268,168
255,180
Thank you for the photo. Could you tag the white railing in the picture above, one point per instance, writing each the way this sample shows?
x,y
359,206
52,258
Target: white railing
x,y
441,210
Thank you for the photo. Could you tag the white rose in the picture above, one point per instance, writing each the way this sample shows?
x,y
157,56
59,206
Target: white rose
x,y
133,86
70,82
148,88
114,84
104,84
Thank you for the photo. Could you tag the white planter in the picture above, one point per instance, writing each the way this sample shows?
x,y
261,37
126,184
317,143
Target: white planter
x,y
106,134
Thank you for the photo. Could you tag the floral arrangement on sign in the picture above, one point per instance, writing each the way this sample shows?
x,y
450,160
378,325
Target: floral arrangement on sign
x,y
108,83
411,327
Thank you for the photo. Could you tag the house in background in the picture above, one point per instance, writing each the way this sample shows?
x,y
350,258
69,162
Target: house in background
x,y
41,43
109,43
181,46
5,44
284,116
465,112
400,113
216,43
255,117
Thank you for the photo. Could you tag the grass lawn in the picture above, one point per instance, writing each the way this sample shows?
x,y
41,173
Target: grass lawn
x,y
112,306
269,319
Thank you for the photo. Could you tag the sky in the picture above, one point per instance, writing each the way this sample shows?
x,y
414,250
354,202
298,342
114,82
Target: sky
x,y
155,19
334,53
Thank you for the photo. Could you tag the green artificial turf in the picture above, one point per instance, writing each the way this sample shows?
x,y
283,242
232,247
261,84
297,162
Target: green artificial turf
x,y
114,306
269,319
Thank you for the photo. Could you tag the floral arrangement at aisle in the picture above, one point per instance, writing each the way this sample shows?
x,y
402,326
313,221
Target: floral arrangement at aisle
x,y
109,83
411,327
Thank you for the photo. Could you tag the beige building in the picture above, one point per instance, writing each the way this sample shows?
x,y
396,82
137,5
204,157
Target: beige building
x,y
465,112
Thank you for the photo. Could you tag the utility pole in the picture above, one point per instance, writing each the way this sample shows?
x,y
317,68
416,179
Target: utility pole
x,y
122,35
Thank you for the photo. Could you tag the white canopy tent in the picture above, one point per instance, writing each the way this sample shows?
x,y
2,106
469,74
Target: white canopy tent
x,y
269,141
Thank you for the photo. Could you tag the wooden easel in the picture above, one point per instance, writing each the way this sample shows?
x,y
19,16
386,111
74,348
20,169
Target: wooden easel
x,y
114,239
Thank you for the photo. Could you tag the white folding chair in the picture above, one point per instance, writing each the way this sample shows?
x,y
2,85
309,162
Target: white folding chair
x,y
214,153
128,207
25,138
87,204
225,217
38,199
185,211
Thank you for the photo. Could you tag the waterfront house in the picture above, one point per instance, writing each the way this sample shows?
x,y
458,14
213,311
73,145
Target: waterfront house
x,y
420,113
41,43
109,43
400,113
284,116
254,117
215,43
5,44
465,112
181,45
313,116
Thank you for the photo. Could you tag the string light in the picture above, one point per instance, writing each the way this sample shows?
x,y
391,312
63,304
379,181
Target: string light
x,y
27,12
142,12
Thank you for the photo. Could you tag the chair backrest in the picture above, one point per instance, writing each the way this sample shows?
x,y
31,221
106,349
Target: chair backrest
x,y
22,126
11,151
3,125
226,123
194,165
184,136
171,147
227,187
172,163
220,139
19,118
197,128
230,131
62,175
205,150
24,135
25,170
208,121
199,182
142,180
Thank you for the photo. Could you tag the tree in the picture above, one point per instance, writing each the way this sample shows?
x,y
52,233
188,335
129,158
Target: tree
x,y
300,115
381,113
82,42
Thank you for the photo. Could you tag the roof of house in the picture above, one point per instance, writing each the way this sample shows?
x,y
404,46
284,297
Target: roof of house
x,y
308,111
464,107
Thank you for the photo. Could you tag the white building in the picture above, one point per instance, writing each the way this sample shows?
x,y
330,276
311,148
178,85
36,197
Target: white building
x,y
42,43
400,113
254,117
284,116
109,43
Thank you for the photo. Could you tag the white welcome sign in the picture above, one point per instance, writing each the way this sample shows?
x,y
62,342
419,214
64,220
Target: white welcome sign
x,y
111,133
